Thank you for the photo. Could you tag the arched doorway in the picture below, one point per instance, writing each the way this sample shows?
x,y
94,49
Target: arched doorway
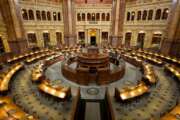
x,y
140,39
93,37
46,38
93,40
128,39
59,38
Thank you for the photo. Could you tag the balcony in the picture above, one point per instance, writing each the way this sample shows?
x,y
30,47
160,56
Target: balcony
x,y
44,23
93,23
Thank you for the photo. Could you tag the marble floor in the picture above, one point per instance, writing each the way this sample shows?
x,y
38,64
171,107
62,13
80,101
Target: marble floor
x,y
131,77
26,95
162,97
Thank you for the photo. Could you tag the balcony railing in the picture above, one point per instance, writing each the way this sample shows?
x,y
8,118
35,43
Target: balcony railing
x,y
93,22
31,22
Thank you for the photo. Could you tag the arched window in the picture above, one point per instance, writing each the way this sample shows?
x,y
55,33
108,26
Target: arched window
x,y
150,14
103,17
54,16
139,15
59,16
93,17
165,14
132,16
38,15
43,15
107,17
89,17
144,15
31,15
158,14
48,15
78,17
24,14
83,17
97,16
128,16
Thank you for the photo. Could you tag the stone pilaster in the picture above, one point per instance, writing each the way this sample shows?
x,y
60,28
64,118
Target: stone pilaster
x,y
40,41
118,12
13,20
69,22
171,42
53,40
148,39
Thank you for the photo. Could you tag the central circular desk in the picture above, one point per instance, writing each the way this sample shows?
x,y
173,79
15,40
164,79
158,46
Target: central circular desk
x,y
92,67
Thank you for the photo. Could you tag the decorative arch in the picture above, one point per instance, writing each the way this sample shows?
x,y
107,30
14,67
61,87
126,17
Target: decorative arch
x,y
107,17
31,15
48,15
43,14
158,14
132,16
128,16
103,17
144,17
150,14
165,14
24,14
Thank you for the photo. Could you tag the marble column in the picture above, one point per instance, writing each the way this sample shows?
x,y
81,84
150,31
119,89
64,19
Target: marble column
x,y
12,17
118,12
148,39
134,38
40,41
69,22
171,42
53,40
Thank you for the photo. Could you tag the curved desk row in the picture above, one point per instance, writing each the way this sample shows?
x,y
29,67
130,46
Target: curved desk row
x,y
133,60
6,76
165,58
53,59
173,69
67,50
56,91
129,93
149,76
148,71
37,72
149,58
10,111
25,55
39,56
174,114
45,86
